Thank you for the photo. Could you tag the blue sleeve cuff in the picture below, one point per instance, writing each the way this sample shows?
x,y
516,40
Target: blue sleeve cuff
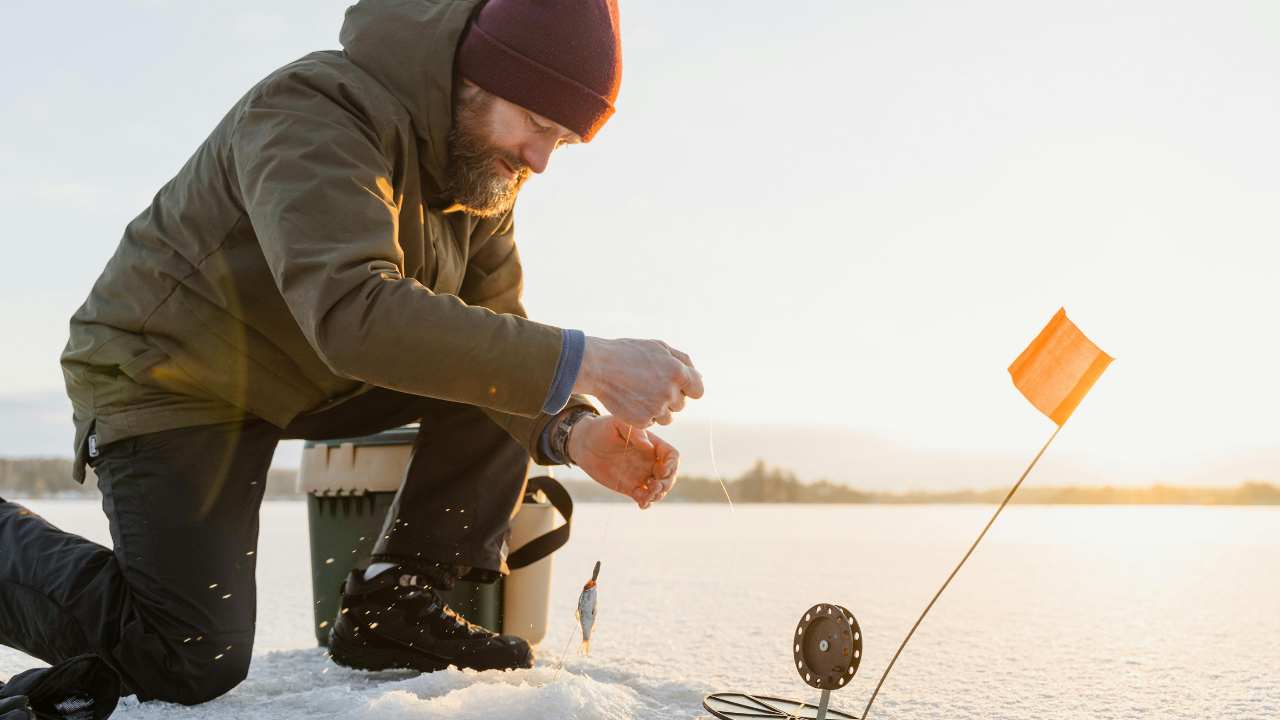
x,y
573,347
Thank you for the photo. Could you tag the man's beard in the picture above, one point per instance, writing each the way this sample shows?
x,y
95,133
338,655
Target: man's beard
x,y
472,179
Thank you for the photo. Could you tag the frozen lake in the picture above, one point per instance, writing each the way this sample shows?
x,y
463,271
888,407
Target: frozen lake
x,y
1064,612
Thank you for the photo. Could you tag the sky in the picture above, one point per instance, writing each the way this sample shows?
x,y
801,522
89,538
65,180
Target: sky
x,y
853,215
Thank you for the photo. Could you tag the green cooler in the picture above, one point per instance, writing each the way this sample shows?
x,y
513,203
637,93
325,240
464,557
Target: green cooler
x,y
350,483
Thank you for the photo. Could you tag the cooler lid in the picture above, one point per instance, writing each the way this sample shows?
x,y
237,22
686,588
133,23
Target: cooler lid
x,y
395,436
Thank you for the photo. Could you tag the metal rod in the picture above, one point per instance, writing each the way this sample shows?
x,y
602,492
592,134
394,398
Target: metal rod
x,y
822,705
972,547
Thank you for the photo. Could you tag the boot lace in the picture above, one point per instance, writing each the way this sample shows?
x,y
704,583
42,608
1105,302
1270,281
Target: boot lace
x,y
414,588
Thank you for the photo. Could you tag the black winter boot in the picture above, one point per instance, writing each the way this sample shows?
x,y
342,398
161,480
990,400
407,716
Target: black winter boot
x,y
82,688
16,708
396,620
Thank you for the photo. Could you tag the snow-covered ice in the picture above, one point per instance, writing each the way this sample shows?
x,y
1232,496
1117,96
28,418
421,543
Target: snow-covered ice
x,y
297,684
1063,612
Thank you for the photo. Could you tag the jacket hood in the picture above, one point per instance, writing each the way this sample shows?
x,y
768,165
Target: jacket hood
x,y
409,46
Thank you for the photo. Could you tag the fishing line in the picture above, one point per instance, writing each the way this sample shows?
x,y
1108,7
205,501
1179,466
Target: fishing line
x,y
573,632
604,540
573,628
711,447
972,547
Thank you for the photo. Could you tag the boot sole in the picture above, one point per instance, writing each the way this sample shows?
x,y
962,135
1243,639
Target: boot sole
x,y
374,659
362,656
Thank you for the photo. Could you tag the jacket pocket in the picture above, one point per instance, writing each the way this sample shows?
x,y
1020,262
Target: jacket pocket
x,y
136,367
154,368
232,361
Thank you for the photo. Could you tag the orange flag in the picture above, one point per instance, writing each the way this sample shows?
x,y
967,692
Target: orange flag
x,y
1058,368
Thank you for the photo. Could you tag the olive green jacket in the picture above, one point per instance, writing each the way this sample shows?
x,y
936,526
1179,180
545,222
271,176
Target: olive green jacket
x,y
302,256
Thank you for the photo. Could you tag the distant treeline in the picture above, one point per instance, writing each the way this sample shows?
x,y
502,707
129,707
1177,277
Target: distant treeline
x,y
40,478
51,477
761,484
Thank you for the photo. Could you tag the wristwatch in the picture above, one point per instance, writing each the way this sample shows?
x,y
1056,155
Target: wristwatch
x,y
560,434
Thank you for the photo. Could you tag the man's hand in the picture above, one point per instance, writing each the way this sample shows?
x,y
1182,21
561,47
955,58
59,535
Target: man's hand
x,y
642,468
642,382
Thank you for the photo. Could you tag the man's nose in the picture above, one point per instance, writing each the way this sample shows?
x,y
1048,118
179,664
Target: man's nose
x,y
537,154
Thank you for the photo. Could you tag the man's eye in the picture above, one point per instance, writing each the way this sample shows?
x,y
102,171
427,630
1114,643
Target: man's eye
x,y
537,125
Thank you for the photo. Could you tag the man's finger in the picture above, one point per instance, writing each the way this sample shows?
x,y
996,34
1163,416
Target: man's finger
x,y
676,404
682,357
657,488
665,486
664,466
640,440
639,422
668,470
691,383
663,451
665,418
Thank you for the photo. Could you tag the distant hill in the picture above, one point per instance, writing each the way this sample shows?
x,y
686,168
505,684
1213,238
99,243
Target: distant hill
x,y
38,424
871,461
41,477
760,484
51,477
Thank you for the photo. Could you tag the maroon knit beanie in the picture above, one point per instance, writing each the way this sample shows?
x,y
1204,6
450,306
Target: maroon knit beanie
x,y
559,58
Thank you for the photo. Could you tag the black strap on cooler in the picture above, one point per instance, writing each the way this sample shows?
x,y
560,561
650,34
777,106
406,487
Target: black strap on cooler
x,y
543,545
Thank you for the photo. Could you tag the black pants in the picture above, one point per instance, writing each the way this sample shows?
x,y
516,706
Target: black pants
x,y
172,608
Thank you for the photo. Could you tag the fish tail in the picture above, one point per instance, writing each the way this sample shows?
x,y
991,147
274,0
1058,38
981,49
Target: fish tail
x,y
586,647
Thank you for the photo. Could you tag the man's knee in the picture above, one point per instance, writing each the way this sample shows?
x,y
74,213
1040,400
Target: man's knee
x,y
195,673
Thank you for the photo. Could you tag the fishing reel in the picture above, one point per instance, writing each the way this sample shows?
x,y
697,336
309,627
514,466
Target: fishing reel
x,y
827,649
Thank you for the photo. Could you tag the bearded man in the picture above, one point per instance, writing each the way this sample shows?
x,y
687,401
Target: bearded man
x,y
336,259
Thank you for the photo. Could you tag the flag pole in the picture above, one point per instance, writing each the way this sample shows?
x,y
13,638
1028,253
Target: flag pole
x,y
972,547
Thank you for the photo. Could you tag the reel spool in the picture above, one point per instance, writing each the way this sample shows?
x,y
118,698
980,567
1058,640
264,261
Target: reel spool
x,y
826,649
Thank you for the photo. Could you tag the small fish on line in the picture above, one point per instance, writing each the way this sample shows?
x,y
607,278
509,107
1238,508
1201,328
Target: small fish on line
x,y
587,609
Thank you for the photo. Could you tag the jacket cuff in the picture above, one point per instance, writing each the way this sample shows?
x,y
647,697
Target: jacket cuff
x,y
572,348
